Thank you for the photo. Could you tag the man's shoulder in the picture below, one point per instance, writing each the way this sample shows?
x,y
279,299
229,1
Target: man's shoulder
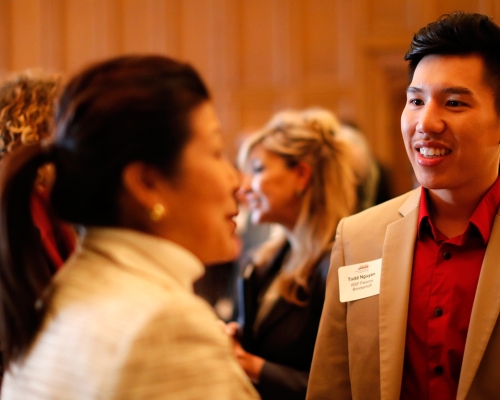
x,y
385,213
360,237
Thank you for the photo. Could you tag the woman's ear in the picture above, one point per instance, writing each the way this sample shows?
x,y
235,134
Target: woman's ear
x,y
142,183
304,173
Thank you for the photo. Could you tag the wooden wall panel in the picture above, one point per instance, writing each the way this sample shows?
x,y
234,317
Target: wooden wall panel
x,y
196,34
254,109
223,71
5,37
109,21
446,6
297,44
256,42
387,17
93,30
81,32
52,34
136,25
222,61
26,33
321,54
257,56
281,43
346,23
171,11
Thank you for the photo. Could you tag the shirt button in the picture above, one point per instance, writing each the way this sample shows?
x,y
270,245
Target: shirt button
x,y
446,255
438,311
438,370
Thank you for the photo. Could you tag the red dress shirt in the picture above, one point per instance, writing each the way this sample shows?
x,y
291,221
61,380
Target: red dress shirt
x,y
443,285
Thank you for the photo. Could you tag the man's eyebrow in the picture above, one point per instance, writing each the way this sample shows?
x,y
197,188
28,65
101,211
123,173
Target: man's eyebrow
x,y
457,90
449,90
413,89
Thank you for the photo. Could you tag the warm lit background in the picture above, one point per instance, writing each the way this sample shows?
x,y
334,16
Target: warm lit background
x,y
258,56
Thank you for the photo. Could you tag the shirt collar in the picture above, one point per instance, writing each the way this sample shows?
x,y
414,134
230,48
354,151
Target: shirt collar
x,y
481,219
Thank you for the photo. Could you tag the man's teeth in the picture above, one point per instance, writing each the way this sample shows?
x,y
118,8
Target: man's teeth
x,y
429,151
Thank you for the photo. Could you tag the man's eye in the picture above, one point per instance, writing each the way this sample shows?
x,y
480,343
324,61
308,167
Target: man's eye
x,y
454,103
416,102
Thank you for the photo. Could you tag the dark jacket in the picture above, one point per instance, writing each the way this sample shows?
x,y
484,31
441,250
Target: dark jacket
x,y
286,337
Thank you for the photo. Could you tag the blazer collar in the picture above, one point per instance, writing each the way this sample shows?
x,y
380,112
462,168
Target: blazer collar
x,y
412,202
485,312
397,261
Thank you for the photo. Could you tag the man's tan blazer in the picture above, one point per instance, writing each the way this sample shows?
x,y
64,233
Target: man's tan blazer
x,y
359,352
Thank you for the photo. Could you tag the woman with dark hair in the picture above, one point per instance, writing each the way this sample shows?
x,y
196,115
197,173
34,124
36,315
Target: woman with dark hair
x,y
139,164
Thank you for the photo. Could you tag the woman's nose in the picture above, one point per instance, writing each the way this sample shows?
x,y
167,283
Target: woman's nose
x,y
245,186
234,176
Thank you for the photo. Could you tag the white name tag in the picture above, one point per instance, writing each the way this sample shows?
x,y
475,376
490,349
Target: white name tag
x,y
358,281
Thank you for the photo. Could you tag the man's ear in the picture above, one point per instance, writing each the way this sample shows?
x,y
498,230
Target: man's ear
x,y
142,183
304,173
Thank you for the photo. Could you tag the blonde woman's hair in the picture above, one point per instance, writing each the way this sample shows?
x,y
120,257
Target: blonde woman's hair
x,y
362,160
330,195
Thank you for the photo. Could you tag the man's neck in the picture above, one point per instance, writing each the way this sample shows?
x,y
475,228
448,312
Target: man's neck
x,y
450,212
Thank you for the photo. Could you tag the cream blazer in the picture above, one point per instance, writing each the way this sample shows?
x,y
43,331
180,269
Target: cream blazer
x,y
360,347
124,324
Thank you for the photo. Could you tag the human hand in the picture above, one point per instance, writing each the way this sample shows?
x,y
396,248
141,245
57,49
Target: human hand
x,y
251,364
233,330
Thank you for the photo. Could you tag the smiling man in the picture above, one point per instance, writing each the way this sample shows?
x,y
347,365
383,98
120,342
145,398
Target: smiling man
x,y
426,325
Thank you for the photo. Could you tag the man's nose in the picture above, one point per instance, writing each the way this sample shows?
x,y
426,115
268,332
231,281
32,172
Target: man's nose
x,y
431,119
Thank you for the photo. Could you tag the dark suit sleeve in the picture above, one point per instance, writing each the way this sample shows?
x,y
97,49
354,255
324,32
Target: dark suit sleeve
x,y
280,382
277,381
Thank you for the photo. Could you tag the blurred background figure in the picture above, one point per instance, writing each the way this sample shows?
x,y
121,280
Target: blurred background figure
x,y
373,179
363,162
298,174
27,103
138,160
364,165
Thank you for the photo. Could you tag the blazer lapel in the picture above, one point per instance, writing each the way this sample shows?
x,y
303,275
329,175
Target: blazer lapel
x,y
280,309
255,280
397,260
485,312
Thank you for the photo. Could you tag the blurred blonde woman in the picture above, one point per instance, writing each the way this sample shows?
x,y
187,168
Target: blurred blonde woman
x,y
298,174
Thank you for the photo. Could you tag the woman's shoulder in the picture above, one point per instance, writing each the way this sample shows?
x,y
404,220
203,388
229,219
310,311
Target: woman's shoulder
x,y
118,297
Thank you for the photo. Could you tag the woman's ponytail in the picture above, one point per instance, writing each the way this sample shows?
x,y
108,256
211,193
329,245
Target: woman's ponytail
x,y
24,271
